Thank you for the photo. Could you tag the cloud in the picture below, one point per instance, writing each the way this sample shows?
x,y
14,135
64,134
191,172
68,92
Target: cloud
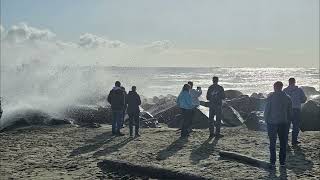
x,y
24,32
159,46
88,40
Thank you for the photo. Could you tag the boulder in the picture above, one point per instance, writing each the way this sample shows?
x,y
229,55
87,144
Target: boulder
x,y
310,116
255,121
199,121
258,96
88,114
231,94
231,117
309,91
245,104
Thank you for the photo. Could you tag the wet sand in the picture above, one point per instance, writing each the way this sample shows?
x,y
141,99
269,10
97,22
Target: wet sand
x,y
68,152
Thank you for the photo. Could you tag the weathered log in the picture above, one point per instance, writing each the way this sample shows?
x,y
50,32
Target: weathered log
x,y
144,170
244,159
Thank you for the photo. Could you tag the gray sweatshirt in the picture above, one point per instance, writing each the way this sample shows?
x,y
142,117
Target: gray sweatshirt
x,y
297,96
278,109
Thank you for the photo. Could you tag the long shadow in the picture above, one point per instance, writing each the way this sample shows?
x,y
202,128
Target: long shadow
x,y
203,151
93,144
112,148
297,161
172,149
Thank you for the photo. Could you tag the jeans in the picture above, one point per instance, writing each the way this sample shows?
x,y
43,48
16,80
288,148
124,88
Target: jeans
x,y
215,110
296,120
280,130
116,121
134,119
187,120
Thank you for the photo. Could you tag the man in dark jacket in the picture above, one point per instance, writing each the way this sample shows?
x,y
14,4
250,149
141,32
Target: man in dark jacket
x,y
297,97
116,98
277,115
133,101
215,95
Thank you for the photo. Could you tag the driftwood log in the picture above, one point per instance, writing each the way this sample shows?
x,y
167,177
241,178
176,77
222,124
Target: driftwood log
x,y
244,159
143,170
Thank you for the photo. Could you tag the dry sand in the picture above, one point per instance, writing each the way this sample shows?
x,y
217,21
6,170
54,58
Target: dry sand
x,y
67,152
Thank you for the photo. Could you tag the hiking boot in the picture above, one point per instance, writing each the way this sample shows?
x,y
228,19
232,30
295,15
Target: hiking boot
x,y
120,134
137,135
295,143
211,135
219,135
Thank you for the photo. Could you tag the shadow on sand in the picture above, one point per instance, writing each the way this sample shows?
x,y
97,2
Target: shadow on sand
x,y
203,151
172,149
113,148
297,162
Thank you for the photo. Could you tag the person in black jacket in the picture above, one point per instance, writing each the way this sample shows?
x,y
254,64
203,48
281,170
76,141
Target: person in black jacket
x,y
133,101
116,98
215,95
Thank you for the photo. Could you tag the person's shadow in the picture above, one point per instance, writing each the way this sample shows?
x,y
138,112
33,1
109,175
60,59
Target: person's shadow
x,y
297,161
203,151
171,149
113,148
93,144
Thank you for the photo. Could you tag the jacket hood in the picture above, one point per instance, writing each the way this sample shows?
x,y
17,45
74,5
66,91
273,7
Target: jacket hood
x,y
116,88
132,92
291,88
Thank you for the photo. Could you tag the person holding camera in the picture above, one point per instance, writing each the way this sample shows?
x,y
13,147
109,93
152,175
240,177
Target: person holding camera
x,y
195,94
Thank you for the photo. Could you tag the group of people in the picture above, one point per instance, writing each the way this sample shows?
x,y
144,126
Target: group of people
x,y
188,101
283,107
120,103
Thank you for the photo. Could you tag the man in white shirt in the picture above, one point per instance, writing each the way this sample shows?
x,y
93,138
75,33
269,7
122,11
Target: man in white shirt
x,y
195,94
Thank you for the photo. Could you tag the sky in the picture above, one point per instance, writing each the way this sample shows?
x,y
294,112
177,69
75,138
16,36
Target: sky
x,y
272,33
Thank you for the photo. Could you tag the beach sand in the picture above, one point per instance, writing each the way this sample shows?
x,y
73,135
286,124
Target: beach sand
x,y
68,152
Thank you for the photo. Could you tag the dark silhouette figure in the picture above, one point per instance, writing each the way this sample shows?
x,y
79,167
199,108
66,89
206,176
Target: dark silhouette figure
x,y
277,115
116,98
133,101
184,102
297,97
215,95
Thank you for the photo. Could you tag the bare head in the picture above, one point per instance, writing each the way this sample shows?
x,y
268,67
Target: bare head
x,y
190,84
277,86
215,80
117,84
134,88
292,81
186,87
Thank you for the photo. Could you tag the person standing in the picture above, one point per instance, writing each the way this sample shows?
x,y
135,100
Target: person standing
x,y
277,115
195,94
124,109
184,102
297,97
133,101
116,98
215,95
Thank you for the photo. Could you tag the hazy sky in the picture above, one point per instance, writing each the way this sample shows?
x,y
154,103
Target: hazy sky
x,y
210,32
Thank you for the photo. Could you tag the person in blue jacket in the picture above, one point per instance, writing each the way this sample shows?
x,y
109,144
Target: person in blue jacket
x,y
184,102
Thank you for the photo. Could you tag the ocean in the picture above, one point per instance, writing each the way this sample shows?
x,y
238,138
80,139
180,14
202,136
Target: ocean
x,y
51,89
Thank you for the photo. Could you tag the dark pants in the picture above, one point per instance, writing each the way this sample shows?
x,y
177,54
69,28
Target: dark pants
x,y
187,119
134,119
215,111
116,121
280,130
296,121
